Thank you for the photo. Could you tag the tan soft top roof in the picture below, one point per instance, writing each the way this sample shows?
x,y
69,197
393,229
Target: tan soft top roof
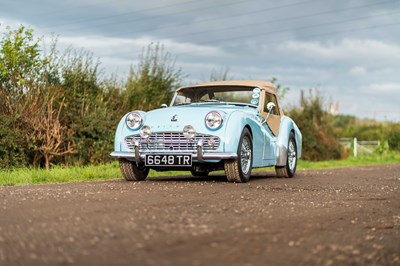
x,y
268,86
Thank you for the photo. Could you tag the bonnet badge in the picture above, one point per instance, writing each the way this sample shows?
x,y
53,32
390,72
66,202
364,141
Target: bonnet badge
x,y
174,118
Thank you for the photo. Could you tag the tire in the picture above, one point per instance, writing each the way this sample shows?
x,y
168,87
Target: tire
x,y
131,172
199,173
239,170
291,159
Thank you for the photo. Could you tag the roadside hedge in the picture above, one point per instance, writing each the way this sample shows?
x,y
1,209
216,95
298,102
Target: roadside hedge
x,y
60,109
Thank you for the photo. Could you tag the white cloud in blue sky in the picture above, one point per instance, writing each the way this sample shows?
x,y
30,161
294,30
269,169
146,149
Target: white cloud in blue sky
x,y
349,50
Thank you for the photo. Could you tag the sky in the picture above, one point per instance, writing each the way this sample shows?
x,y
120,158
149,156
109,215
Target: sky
x,y
347,50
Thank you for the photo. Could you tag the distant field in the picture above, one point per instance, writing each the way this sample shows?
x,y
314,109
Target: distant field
x,y
111,171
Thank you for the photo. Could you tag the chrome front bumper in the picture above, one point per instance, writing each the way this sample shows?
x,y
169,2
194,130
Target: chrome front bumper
x,y
139,158
197,155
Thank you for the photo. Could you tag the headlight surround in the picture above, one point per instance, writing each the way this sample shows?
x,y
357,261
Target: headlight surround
x,y
145,132
134,120
213,120
189,132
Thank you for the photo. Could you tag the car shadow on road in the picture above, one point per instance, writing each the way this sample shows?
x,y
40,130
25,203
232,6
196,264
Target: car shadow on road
x,y
210,178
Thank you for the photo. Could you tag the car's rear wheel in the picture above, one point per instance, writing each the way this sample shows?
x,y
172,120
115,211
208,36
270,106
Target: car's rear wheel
x,y
132,172
199,173
291,160
239,170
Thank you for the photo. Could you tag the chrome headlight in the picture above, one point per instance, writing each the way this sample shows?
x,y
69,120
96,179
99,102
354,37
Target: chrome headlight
x,y
189,132
134,120
213,120
145,132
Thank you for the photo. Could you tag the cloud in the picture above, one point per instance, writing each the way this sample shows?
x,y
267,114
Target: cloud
x,y
356,49
358,71
386,88
111,46
13,24
118,54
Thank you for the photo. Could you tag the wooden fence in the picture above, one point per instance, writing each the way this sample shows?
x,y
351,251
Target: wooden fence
x,y
360,146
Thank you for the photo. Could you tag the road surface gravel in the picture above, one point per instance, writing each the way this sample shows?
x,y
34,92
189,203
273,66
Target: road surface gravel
x,y
345,216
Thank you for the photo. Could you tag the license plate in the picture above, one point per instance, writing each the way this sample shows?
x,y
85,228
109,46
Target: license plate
x,y
168,160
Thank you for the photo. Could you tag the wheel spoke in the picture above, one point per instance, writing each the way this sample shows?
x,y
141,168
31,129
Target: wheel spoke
x,y
239,170
245,156
292,156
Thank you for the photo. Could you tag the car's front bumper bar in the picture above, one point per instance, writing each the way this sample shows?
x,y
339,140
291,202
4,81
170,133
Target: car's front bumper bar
x,y
199,157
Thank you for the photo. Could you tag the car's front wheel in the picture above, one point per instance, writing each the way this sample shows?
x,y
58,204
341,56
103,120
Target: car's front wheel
x,y
132,172
291,160
239,170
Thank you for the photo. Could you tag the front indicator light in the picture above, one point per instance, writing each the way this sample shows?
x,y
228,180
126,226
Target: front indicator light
x,y
145,132
189,132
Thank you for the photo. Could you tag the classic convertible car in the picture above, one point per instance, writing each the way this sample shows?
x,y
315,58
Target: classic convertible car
x,y
230,125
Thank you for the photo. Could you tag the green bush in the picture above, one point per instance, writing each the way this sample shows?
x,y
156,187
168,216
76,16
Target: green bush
x,y
13,151
320,142
394,138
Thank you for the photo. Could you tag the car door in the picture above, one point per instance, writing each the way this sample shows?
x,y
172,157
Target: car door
x,y
274,119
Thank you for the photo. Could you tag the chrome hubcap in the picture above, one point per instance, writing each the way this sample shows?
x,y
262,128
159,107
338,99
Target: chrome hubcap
x,y
292,156
245,155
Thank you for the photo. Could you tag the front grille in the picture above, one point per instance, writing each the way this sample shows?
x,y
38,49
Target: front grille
x,y
167,141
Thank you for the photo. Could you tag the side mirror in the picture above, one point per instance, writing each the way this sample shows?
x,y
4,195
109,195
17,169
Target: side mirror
x,y
270,106
164,105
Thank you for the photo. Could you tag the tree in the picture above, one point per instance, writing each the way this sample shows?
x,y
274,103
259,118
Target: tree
x,y
20,69
48,132
154,79
29,92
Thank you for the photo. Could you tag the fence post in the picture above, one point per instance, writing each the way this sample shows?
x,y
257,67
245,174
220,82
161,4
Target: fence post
x,y
355,147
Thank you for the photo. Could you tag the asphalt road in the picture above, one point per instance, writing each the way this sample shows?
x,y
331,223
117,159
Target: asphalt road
x,y
347,216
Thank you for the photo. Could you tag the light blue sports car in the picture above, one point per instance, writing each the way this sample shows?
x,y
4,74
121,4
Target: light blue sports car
x,y
231,125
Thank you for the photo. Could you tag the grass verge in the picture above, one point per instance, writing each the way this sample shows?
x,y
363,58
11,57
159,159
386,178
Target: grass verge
x,y
366,159
28,176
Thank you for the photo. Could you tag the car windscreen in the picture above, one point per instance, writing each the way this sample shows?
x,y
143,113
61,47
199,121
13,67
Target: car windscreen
x,y
238,94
